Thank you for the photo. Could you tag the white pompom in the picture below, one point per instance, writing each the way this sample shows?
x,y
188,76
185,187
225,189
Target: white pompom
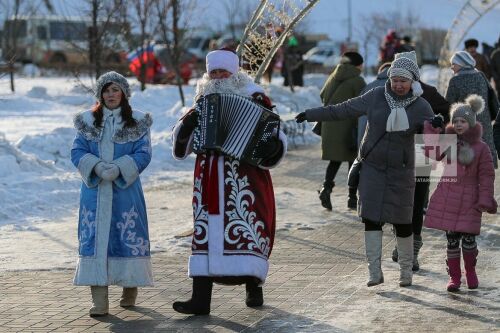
x,y
417,88
476,103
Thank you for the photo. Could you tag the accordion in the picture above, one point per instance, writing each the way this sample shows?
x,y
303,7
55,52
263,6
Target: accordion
x,y
232,125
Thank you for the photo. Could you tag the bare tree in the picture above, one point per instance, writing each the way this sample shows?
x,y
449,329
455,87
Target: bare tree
x,y
15,27
173,49
370,32
141,17
238,13
103,14
429,44
374,27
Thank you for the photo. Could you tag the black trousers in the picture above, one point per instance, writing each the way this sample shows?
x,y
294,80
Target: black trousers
x,y
402,230
419,201
331,171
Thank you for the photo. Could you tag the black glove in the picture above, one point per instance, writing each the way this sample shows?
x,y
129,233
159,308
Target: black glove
x,y
301,117
437,121
269,148
190,121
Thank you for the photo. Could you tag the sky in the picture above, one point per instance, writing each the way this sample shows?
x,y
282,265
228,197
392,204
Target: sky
x,y
330,16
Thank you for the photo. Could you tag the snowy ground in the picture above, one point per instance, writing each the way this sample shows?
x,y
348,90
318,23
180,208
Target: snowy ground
x,y
39,186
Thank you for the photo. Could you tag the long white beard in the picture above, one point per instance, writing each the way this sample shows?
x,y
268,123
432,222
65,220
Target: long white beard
x,y
239,83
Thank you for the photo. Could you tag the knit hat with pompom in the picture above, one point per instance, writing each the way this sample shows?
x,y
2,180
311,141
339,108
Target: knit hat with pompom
x,y
474,104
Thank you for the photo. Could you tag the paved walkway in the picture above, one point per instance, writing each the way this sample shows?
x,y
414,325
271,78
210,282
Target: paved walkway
x,y
316,281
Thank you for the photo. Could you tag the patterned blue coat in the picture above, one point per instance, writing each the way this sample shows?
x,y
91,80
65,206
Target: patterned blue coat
x,y
112,227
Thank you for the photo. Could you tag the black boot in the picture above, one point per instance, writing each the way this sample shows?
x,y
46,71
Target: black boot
x,y
324,195
255,296
199,304
352,202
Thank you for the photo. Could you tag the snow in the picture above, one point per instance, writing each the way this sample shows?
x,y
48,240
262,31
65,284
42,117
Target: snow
x,y
39,186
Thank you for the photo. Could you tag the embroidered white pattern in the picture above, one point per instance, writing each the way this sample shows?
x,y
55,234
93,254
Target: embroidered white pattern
x,y
242,222
200,214
138,244
87,226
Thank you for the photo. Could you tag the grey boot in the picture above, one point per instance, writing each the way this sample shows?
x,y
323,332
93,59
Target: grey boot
x,y
417,245
100,303
405,259
129,296
373,249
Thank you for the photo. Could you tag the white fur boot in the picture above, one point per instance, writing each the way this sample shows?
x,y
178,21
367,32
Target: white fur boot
x,y
100,303
373,248
128,297
405,260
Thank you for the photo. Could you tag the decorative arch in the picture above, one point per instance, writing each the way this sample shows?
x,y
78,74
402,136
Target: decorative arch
x,y
471,12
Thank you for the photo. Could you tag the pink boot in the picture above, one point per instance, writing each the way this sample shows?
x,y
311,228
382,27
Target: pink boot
x,y
454,270
470,260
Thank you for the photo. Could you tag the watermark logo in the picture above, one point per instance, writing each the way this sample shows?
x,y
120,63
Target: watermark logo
x,y
436,157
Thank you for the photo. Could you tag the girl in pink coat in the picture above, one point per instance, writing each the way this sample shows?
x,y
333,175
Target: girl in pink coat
x,y
458,202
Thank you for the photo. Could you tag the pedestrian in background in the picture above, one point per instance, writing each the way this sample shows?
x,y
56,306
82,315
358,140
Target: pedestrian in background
x,y
457,204
467,81
339,138
292,69
482,64
495,66
387,179
112,147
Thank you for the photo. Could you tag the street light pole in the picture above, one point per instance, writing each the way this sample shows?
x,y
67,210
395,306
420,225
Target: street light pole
x,y
349,20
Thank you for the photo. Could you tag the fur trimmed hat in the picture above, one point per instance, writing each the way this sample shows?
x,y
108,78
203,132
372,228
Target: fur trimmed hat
x,y
474,104
464,59
352,58
223,59
113,77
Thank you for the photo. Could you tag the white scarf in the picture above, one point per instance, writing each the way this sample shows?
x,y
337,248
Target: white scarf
x,y
398,119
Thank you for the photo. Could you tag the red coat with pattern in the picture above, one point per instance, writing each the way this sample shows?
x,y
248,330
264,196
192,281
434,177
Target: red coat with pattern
x,y
234,215
458,203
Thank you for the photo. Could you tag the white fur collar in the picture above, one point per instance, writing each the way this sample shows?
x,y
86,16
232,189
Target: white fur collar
x,y
84,124
239,83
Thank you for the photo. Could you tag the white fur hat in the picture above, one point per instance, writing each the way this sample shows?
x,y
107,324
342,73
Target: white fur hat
x,y
223,59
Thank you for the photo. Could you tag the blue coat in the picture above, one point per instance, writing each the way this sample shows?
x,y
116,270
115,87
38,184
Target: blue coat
x,y
112,226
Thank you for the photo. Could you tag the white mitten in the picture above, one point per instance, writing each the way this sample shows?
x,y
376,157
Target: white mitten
x,y
99,168
111,173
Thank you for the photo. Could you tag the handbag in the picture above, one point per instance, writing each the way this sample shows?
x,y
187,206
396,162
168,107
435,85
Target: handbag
x,y
317,128
355,170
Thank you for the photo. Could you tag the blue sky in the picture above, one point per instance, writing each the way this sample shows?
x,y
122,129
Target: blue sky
x,y
330,16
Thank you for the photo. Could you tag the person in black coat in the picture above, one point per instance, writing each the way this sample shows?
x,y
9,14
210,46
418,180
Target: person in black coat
x,y
496,133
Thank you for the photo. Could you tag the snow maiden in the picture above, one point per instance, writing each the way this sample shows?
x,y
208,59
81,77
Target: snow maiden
x,y
112,147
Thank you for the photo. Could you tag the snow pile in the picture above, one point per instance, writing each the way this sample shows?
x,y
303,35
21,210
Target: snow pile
x,y
54,146
36,171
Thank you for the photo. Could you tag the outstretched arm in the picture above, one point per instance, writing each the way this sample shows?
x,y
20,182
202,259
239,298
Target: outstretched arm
x,y
352,108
